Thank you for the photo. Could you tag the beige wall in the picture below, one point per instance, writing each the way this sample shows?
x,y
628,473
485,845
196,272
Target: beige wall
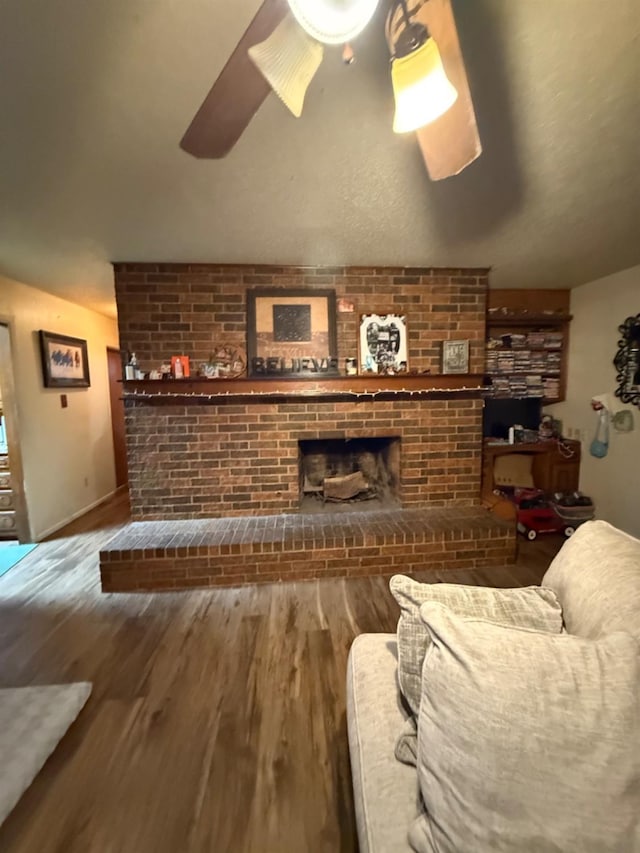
x,y
598,308
67,454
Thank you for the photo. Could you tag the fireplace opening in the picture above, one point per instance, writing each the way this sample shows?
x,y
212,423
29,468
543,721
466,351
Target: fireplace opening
x,y
338,474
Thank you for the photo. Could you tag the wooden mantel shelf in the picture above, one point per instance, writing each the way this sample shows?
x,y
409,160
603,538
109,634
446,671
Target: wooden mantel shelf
x,y
157,391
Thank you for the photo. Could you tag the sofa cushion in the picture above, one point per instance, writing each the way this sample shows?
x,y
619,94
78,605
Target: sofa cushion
x,y
385,792
527,741
596,576
531,607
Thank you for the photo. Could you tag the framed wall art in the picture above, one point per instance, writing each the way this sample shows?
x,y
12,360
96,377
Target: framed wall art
x,y
455,356
65,363
383,343
627,361
291,332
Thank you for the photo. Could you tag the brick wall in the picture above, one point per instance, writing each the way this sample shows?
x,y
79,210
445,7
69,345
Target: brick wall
x,y
171,309
198,461
191,461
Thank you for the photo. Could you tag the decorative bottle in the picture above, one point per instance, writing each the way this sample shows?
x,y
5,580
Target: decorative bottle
x,y
131,368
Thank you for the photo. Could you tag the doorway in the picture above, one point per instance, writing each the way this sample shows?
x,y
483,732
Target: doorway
x,y
114,362
14,517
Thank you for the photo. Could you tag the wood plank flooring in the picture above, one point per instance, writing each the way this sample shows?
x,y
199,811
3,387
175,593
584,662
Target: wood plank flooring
x,y
217,718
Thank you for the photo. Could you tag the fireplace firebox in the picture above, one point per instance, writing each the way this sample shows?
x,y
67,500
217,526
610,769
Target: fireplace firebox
x,y
339,474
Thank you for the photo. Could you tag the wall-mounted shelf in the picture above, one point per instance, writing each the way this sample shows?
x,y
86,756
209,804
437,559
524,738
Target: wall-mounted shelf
x,y
526,318
158,391
526,354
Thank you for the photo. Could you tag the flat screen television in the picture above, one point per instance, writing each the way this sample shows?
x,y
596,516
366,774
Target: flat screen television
x,y
499,414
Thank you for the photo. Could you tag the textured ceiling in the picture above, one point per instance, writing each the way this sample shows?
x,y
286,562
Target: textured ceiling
x,y
95,96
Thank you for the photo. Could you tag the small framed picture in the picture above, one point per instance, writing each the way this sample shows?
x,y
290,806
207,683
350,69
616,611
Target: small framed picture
x,y
346,306
180,366
383,343
65,363
455,356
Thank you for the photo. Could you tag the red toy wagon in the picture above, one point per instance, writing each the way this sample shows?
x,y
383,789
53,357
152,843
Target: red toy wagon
x,y
537,514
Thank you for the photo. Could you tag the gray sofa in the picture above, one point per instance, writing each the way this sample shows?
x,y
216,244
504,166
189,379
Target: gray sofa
x,y
596,578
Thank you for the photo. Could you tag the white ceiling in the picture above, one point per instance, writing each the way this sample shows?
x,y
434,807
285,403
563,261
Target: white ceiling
x,y
95,96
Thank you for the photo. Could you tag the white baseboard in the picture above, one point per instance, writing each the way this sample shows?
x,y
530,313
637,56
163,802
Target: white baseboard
x,y
75,515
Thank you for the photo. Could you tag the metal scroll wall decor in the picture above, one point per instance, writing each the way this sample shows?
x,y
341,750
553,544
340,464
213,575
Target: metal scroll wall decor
x,y
627,361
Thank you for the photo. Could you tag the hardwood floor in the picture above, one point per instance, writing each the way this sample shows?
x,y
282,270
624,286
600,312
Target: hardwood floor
x,y
217,718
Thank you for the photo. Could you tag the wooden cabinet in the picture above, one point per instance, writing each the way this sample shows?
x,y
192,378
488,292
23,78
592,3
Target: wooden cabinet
x,y
555,465
527,343
557,469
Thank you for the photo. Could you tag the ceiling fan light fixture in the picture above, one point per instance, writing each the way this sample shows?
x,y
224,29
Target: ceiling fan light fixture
x,y
288,60
333,21
421,88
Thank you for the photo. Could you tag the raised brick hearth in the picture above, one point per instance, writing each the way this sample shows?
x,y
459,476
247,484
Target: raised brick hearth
x,y
215,474
229,551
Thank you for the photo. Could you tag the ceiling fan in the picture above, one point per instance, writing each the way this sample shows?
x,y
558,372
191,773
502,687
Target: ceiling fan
x,y
283,47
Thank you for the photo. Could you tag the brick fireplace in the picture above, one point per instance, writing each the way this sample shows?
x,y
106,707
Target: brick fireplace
x,y
204,454
198,461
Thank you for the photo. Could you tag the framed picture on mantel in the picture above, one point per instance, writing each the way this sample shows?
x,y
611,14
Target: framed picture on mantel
x,y
291,332
383,343
455,356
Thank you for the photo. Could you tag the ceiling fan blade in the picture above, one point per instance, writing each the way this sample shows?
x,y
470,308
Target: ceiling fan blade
x,y
236,95
451,142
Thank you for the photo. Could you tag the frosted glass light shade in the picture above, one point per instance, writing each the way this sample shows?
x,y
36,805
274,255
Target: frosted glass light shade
x,y
333,21
287,60
421,88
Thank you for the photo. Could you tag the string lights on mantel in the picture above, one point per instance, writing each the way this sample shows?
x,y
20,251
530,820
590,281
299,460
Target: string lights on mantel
x,y
144,395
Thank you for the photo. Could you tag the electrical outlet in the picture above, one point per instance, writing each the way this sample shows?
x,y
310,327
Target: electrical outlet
x,y
86,481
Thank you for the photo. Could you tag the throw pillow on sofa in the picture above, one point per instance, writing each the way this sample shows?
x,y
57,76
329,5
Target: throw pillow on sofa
x,y
527,741
529,607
